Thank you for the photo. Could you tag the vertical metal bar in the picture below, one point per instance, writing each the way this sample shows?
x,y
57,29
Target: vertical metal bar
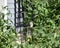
x,y
19,14
15,13
19,11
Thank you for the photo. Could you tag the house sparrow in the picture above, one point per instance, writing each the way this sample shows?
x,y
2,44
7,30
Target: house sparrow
x,y
31,24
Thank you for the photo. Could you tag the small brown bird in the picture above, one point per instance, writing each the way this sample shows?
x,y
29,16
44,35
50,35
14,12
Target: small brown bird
x,y
31,24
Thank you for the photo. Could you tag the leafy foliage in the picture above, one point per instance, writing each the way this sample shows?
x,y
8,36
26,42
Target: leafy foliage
x,y
45,15
7,33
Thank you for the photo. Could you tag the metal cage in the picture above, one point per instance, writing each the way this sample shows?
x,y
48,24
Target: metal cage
x,y
19,18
